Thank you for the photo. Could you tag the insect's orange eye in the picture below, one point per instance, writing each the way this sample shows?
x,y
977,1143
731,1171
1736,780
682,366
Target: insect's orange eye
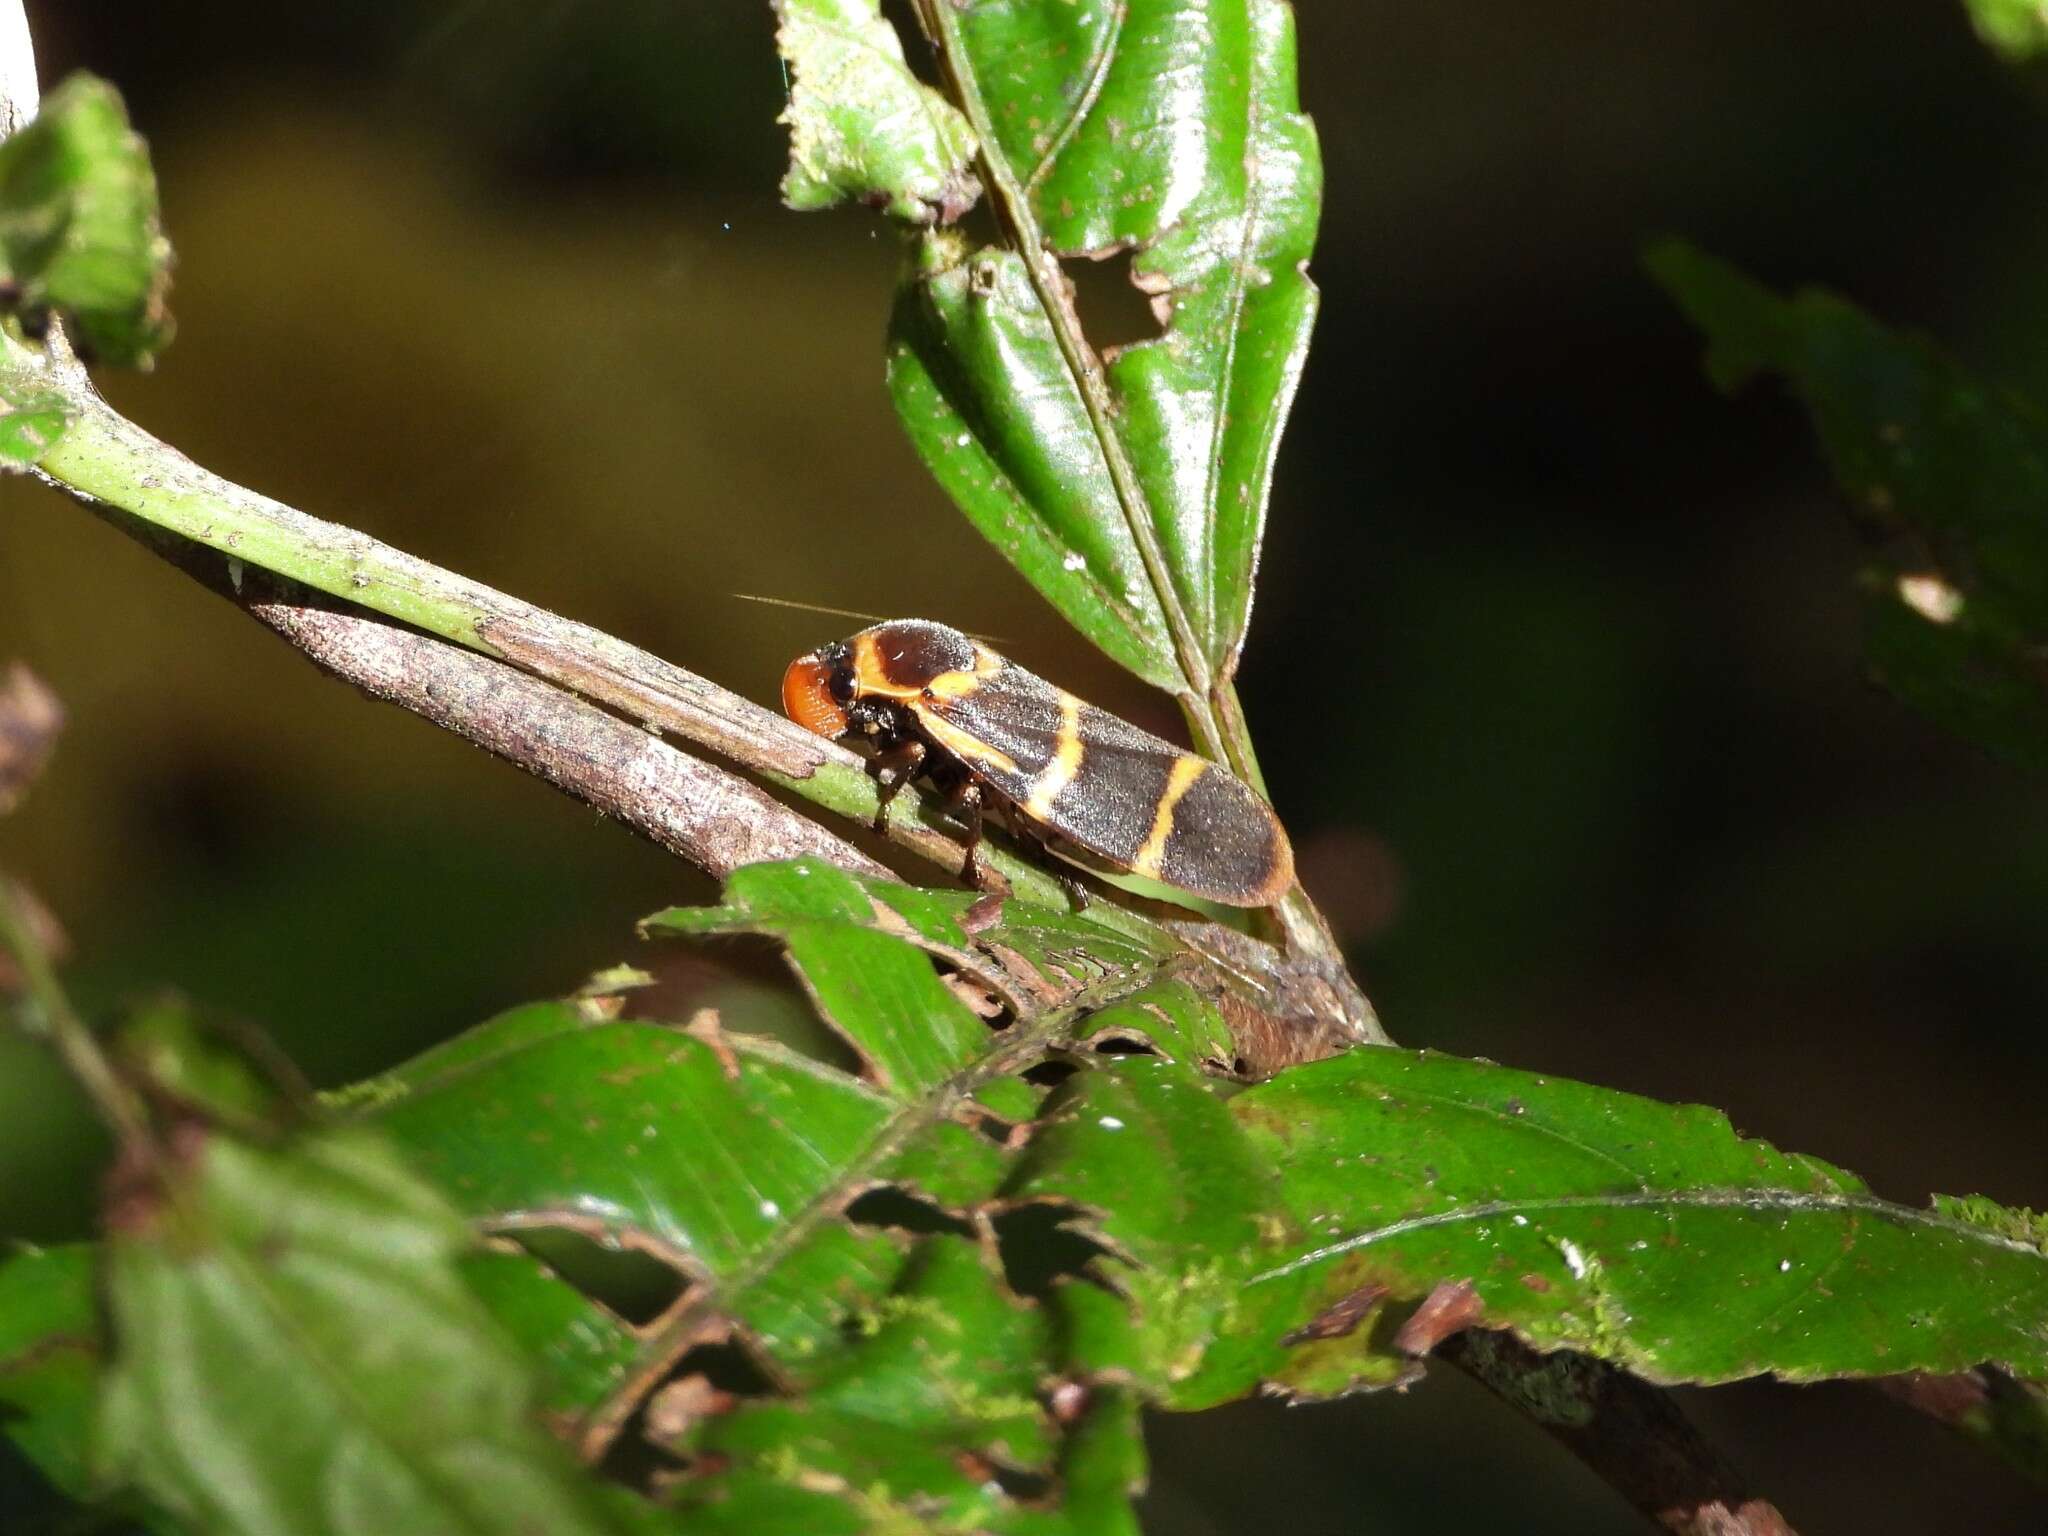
x,y
807,697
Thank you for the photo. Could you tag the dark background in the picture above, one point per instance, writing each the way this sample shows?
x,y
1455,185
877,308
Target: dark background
x,y
1555,663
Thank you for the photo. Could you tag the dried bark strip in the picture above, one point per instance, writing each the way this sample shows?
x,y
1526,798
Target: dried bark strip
x,y
700,812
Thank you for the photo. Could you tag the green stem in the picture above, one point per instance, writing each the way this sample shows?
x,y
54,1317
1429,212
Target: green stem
x,y
1215,718
107,459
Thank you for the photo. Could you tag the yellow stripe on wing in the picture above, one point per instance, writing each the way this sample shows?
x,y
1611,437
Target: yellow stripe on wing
x,y
1066,762
1186,770
970,749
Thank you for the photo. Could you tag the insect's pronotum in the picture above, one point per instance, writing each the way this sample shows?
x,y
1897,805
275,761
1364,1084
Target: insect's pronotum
x,y
939,703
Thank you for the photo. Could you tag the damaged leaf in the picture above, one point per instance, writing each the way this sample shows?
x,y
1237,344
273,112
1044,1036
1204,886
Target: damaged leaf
x,y
580,1350
1032,957
1646,1234
1188,1210
1946,476
80,236
844,1234
861,125
1170,129
979,381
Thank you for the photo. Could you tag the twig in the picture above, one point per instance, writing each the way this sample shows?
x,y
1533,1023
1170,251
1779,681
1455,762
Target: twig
x,y
45,1012
704,814
1997,1412
1628,1432
139,482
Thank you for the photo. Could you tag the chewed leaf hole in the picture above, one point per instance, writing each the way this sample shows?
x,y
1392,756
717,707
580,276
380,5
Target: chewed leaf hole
x,y
993,1127
639,1460
729,1367
635,1284
892,1206
1049,1073
712,1379
1114,311
1040,1247
1123,1045
917,53
1020,1483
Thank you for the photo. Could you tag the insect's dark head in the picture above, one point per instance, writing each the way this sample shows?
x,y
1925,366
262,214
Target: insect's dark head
x,y
817,689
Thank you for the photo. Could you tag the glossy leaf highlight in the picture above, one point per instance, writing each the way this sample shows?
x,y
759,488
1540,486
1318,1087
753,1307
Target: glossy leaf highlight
x,y
1647,1234
1169,129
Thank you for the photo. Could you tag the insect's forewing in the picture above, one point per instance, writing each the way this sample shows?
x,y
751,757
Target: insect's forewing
x,y
1121,793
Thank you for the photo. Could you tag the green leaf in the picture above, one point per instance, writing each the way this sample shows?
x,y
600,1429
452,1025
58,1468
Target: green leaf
x,y
79,229
1189,1208
579,1351
1169,128
906,1284
49,1360
297,1351
981,385
2017,29
841,1228
30,427
861,126
51,1347
1948,477
1647,1234
1033,957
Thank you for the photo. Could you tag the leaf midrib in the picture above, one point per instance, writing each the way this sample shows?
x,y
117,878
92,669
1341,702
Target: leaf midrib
x,y
1022,1041
1719,1198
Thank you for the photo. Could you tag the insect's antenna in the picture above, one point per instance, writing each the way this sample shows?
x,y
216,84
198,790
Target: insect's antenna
x,y
843,613
783,602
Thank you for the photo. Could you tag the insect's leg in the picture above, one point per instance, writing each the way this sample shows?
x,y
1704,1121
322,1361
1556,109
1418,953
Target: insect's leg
x,y
1033,839
895,767
964,800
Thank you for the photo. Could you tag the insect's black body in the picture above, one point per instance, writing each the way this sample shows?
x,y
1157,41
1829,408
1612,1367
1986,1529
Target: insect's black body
x,y
937,701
